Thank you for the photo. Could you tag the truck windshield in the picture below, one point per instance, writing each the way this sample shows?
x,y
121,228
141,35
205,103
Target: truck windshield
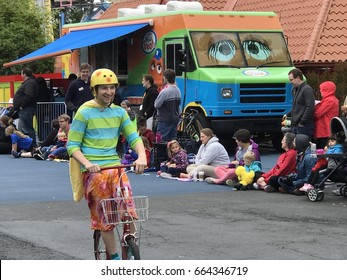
x,y
240,49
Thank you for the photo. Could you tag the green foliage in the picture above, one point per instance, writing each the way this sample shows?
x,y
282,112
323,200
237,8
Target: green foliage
x,y
22,31
340,79
337,75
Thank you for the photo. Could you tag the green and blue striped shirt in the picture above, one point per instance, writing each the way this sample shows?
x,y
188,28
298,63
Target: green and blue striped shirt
x,y
95,131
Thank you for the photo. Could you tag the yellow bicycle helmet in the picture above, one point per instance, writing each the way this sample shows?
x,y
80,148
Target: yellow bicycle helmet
x,y
103,76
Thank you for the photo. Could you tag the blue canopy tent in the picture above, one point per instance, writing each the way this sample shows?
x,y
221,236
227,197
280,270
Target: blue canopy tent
x,y
78,39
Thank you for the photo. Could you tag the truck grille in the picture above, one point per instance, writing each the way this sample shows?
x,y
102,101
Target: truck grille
x,y
262,93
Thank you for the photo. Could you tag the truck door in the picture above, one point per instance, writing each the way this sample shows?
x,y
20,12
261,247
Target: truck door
x,y
173,54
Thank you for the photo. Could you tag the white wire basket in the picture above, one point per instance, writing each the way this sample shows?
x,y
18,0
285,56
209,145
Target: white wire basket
x,y
114,209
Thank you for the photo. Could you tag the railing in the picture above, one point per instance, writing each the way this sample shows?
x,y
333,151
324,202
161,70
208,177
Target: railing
x,y
45,113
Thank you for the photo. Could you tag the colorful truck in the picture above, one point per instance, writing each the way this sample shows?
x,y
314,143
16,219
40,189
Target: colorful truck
x,y
232,67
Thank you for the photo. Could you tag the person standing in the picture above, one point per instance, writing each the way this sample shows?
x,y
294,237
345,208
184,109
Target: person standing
x,y
325,110
92,141
79,90
302,112
151,93
168,107
43,112
25,100
72,77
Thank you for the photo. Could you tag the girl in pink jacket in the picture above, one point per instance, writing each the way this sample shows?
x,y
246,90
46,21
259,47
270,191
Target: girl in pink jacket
x,y
325,110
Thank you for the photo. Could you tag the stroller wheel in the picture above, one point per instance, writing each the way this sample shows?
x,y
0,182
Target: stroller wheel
x,y
314,195
343,190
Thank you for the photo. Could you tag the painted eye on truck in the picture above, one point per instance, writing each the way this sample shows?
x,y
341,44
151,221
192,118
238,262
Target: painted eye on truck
x,y
159,68
152,67
256,49
222,50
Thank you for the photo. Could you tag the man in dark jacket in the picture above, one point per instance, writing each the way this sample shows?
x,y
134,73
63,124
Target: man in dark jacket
x,y
25,100
79,90
302,114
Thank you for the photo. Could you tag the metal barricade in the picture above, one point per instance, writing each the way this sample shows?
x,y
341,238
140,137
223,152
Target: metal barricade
x,y
45,113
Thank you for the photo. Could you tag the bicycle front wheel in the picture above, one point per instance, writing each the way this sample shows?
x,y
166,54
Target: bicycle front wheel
x,y
131,252
100,252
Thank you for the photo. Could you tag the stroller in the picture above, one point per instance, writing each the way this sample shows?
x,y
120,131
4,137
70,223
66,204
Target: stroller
x,y
338,175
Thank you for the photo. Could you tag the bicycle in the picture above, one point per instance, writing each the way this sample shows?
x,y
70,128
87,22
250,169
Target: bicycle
x,y
116,213
189,125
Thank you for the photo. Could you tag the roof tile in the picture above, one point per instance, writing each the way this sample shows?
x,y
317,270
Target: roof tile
x,y
315,28
306,41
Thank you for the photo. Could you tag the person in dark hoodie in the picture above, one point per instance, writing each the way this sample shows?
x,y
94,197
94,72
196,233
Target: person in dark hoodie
x,y
304,163
5,141
325,110
151,93
25,100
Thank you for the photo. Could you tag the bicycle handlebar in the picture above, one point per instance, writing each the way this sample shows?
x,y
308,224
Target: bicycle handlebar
x,y
117,166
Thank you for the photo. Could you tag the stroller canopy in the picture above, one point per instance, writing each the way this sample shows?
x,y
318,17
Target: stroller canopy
x,y
338,126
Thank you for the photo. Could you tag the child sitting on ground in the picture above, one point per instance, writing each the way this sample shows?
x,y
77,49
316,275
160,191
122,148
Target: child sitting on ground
x,y
59,149
248,173
130,155
19,141
144,131
177,163
147,150
334,147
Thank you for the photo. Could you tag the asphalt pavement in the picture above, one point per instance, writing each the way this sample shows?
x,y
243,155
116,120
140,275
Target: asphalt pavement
x,y
187,220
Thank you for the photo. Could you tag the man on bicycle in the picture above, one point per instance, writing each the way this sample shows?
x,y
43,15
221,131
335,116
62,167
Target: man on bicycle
x,y
92,141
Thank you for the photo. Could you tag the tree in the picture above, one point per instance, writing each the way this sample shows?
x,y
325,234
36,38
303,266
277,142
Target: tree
x,y
22,31
73,14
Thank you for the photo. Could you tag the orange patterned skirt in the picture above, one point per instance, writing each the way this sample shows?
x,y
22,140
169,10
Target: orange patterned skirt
x,y
103,185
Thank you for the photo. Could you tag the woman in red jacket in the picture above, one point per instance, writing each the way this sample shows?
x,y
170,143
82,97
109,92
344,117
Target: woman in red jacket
x,y
285,165
325,110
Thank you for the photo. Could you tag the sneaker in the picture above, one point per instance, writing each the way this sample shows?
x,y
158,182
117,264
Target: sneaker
x,y
282,190
165,175
230,182
255,186
51,157
15,154
38,157
306,187
238,186
298,192
158,173
269,189
336,192
209,180
116,257
37,151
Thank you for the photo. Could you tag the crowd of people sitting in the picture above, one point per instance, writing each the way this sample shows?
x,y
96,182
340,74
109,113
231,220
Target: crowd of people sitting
x,y
295,171
21,145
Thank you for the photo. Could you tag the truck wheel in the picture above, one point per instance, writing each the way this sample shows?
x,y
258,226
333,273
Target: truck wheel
x,y
194,128
201,122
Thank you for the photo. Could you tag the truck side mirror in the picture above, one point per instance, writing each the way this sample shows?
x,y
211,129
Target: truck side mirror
x,y
182,60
